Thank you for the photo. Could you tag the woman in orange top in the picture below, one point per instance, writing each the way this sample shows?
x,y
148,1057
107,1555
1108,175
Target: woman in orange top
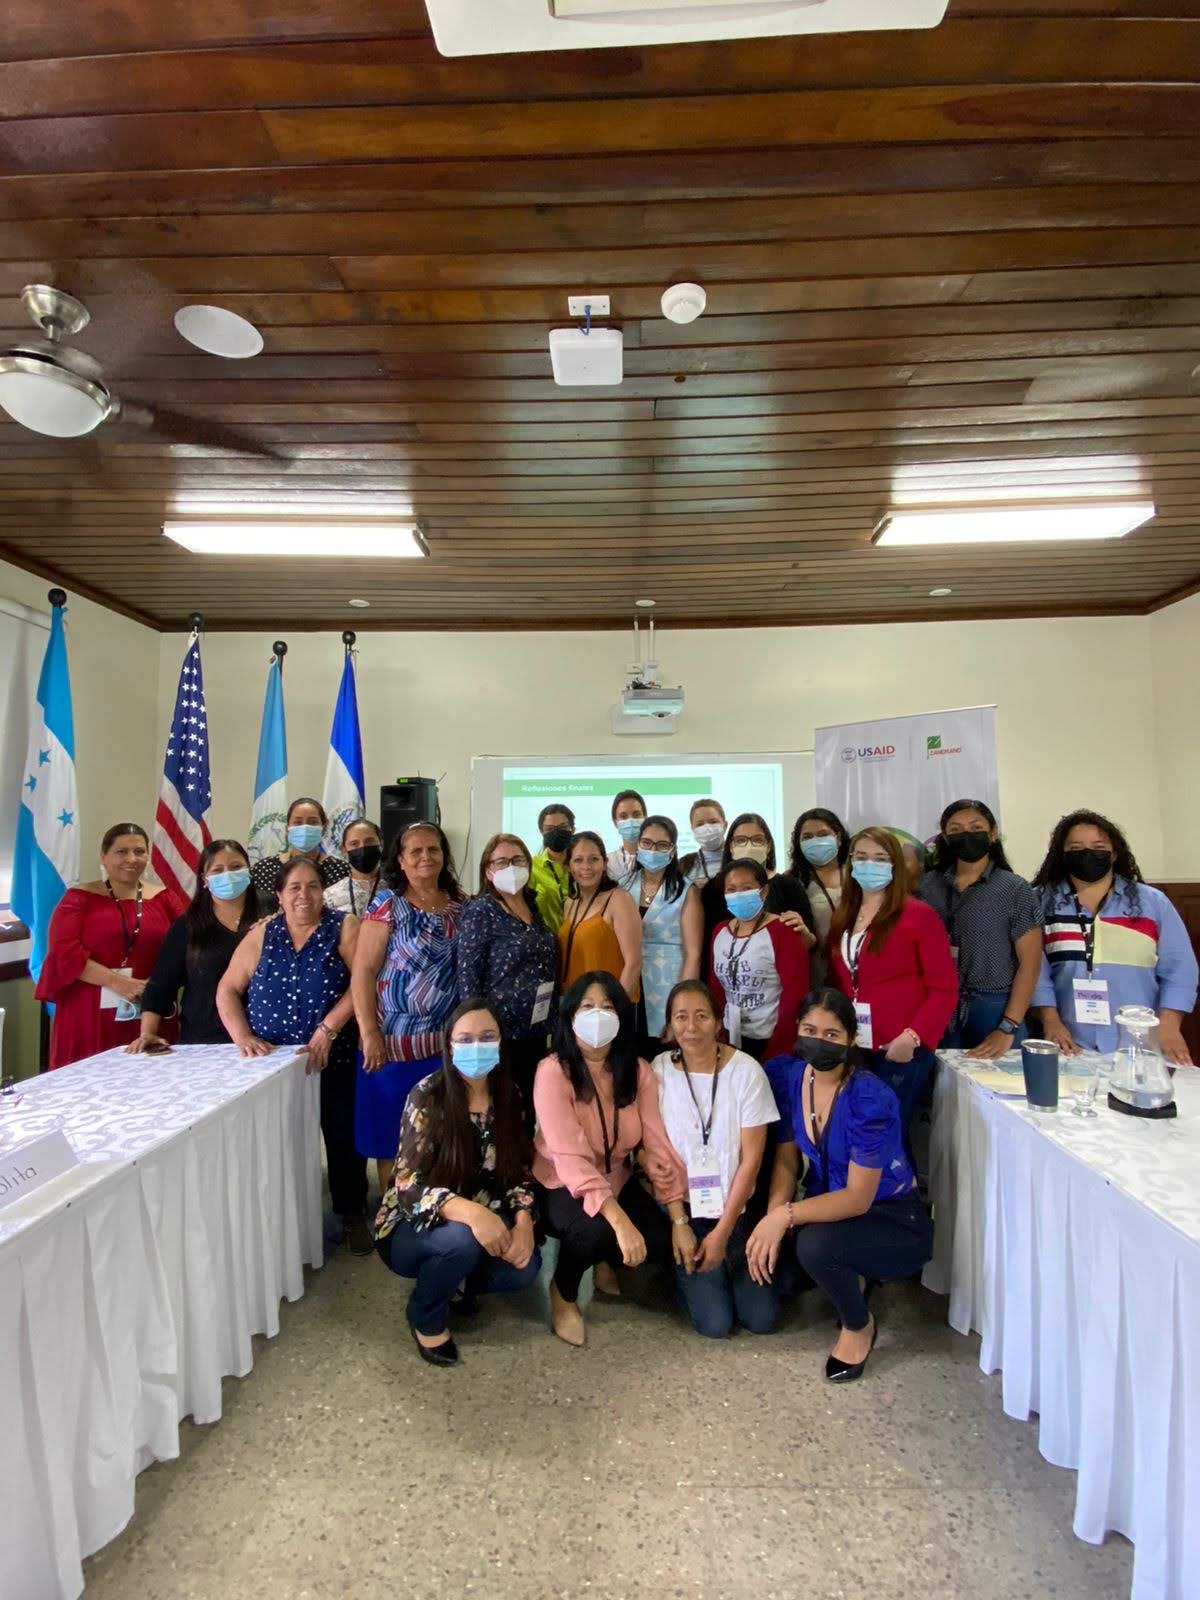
x,y
601,931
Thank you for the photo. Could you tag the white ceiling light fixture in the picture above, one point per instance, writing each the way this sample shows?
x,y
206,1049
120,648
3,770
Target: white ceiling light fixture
x,y
683,302
298,538
939,594
1027,522
498,27
46,385
360,604
219,332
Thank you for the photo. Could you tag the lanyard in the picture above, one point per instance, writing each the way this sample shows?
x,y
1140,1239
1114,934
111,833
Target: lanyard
x,y
705,1127
132,938
821,1139
1089,930
367,901
609,1146
852,944
574,923
735,955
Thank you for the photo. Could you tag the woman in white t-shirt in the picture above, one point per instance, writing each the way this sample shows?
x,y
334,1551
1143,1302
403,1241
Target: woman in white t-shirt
x,y
716,1105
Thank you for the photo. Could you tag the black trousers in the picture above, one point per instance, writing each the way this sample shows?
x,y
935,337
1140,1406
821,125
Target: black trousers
x,y
584,1240
894,1239
523,1058
347,1169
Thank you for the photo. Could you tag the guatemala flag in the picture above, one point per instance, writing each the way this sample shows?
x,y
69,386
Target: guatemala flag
x,y
268,815
46,858
345,790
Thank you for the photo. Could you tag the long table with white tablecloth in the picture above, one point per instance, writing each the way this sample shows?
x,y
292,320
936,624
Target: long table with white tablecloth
x,y
1072,1246
132,1284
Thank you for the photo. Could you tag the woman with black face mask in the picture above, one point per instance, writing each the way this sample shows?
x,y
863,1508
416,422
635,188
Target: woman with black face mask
x,y
362,843
860,1216
1110,940
994,920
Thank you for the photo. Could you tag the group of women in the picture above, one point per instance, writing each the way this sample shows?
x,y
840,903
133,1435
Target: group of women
x,y
707,1061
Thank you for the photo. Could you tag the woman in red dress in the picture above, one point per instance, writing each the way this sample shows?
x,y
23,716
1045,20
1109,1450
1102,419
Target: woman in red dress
x,y
104,939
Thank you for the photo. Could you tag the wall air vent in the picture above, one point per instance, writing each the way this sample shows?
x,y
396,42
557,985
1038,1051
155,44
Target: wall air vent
x,y
503,27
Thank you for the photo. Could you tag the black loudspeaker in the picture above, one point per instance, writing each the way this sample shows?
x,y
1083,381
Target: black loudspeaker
x,y
405,801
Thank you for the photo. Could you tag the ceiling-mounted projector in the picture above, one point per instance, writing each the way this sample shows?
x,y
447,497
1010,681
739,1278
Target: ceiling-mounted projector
x,y
650,700
499,27
645,706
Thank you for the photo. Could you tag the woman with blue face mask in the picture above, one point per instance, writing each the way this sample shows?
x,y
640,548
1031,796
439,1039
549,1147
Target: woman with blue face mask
x,y
306,827
197,949
458,1213
672,926
820,849
890,955
628,814
759,966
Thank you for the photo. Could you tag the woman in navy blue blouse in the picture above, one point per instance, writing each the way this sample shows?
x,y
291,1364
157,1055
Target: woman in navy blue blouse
x,y
506,952
860,1216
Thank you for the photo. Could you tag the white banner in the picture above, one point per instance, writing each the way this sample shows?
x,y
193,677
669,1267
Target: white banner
x,y
901,772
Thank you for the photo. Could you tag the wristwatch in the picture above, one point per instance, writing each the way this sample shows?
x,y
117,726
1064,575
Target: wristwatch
x,y
1008,1026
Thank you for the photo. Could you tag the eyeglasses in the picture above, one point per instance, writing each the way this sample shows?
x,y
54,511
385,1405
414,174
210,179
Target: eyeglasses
x,y
749,838
498,863
647,843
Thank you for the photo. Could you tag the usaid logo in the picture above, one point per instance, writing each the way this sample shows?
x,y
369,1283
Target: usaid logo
x,y
868,752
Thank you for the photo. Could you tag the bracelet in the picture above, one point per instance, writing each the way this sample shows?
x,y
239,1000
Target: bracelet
x,y
914,1035
791,1219
681,1222
330,1033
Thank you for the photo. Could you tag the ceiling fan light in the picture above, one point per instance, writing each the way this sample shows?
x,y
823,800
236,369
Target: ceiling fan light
x,y
50,401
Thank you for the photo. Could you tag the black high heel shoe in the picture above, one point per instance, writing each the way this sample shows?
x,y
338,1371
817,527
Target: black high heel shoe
x,y
437,1355
849,1371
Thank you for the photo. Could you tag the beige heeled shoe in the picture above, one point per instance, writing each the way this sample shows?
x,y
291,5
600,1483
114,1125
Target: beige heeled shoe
x,y
605,1281
566,1320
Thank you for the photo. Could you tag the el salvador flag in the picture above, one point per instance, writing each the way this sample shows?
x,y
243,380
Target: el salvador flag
x,y
345,789
268,814
46,858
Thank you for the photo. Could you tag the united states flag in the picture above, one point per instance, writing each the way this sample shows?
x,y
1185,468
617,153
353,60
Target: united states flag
x,y
181,821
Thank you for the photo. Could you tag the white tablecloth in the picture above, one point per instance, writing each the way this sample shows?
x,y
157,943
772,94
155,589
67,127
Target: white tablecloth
x,y
132,1285
1072,1246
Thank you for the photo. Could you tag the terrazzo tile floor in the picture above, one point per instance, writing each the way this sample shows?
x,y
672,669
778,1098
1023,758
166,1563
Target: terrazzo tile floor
x,y
651,1465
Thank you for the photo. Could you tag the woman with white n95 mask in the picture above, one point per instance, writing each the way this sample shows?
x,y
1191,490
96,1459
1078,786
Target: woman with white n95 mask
x,y
596,1103
506,951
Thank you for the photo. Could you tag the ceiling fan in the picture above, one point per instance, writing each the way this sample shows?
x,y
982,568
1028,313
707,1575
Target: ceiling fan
x,y
52,388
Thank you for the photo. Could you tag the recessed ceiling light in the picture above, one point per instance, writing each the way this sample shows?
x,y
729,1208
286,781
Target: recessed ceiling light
x,y
361,603
219,332
292,539
1047,521
937,594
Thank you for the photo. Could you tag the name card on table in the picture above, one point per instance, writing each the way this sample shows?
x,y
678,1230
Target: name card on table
x,y
28,1166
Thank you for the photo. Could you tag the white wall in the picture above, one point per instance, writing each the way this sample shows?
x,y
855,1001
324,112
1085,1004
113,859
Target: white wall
x,y
1175,655
1076,723
114,691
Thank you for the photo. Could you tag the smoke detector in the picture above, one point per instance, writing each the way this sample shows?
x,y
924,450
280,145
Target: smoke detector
x,y
683,302
500,27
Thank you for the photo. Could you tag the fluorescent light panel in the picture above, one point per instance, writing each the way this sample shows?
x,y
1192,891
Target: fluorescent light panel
x,y
1029,522
307,537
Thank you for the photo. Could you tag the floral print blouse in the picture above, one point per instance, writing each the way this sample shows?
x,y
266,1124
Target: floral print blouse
x,y
410,1198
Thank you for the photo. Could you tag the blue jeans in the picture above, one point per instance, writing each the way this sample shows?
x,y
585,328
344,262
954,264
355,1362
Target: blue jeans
x,y
978,1015
716,1300
441,1259
909,1080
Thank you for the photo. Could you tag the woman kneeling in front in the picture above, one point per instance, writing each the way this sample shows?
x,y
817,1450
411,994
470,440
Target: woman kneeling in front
x,y
596,1102
861,1216
459,1209
716,1106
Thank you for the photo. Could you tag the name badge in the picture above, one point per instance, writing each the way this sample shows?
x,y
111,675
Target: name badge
x,y
705,1198
1091,1001
110,1000
733,1023
541,1003
866,1036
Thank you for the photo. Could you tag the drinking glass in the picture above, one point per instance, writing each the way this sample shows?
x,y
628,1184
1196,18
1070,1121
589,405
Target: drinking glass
x,y
1088,1074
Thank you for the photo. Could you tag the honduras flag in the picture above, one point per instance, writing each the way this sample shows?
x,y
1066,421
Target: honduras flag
x,y
46,858
345,790
268,815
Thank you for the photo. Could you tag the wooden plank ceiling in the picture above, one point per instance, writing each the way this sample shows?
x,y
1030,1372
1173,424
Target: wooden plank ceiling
x,y
936,261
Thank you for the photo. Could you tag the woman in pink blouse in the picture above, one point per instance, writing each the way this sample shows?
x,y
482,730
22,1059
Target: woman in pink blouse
x,y
596,1102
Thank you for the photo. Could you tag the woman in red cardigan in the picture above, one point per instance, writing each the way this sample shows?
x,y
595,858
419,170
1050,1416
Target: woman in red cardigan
x,y
892,957
759,968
